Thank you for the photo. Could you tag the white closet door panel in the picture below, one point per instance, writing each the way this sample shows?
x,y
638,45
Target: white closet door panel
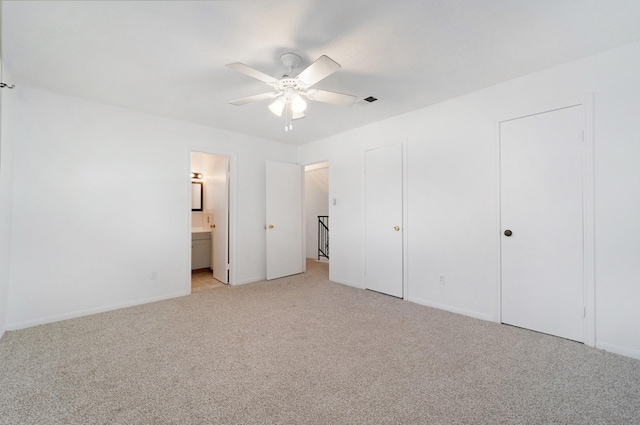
x,y
541,204
383,220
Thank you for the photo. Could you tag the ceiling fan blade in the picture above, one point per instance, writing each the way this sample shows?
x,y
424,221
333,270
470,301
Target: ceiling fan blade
x,y
255,98
240,67
321,68
331,97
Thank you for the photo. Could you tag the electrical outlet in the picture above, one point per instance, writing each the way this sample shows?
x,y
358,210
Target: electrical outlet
x,y
442,279
154,275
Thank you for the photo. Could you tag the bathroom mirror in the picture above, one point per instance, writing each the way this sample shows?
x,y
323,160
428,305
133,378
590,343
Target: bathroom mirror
x,y
196,196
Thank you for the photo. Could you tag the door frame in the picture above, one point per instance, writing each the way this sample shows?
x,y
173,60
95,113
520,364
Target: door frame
x,y
232,208
405,212
304,203
588,225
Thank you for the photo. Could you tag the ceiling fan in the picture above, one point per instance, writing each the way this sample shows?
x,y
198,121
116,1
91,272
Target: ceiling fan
x,y
289,91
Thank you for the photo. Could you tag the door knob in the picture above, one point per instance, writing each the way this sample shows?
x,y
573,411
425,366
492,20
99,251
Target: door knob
x,y
271,226
508,232
396,228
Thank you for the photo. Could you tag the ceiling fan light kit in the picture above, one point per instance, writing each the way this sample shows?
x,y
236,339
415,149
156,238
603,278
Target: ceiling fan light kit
x,y
277,106
289,91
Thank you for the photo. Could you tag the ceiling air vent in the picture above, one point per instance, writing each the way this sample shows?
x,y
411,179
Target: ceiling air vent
x,y
370,99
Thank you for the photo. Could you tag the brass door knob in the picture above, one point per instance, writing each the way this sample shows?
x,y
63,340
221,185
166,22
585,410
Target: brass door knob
x,y
396,228
271,226
508,232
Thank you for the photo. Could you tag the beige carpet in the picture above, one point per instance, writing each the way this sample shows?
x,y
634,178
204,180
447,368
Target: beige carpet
x,y
305,350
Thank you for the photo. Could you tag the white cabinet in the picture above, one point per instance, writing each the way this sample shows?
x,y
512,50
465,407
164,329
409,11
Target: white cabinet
x,y
200,250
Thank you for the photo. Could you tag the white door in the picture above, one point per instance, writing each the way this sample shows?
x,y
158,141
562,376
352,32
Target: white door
x,y
220,231
541,160
383,220
284,219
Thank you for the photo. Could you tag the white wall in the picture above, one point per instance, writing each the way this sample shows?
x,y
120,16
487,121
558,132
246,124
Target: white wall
x,y
316,202
85,173
452,191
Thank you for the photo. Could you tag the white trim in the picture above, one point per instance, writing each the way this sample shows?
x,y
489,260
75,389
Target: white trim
x,y
316,165
451,309
233,209
303,216
619,349
405,219
251,280
347,283
90,311
497,317
588,208
586,102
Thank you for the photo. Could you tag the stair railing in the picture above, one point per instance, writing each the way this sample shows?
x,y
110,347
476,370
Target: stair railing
x,y
323,236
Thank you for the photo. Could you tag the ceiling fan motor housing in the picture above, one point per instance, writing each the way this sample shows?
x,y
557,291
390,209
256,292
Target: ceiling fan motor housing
x,y
290,60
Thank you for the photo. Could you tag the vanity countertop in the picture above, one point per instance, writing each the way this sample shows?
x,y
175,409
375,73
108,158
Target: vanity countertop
x,y
200,233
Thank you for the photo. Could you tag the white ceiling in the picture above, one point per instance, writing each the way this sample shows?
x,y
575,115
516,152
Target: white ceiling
x,y
168,57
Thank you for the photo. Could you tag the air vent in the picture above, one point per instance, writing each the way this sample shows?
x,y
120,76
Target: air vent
x,y
370,99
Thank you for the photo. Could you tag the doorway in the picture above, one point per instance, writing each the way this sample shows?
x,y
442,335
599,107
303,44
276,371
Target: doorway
x,y
297,198
545,250
316,212
211,219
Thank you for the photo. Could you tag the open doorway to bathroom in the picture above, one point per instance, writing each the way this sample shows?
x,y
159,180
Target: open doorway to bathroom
x,y
210,220
317,220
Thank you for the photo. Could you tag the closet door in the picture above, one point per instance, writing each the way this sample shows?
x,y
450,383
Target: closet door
x,y
542,252
383,220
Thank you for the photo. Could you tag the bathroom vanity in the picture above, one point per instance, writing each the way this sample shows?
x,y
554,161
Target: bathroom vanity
x,y
200,249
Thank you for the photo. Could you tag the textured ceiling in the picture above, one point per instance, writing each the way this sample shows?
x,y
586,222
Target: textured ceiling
x,y
168,58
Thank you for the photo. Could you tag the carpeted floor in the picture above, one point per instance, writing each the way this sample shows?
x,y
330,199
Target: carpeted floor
x,y
304,350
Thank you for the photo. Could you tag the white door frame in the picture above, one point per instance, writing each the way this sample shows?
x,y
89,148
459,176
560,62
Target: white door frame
x,y
233,158
587,206
304,203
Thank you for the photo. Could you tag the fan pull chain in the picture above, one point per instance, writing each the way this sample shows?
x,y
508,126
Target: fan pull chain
x,y
287,123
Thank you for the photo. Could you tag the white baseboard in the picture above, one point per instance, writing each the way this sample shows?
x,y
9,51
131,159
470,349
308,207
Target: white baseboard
x,y
250,280
59,317
347,283
619,349
464,312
